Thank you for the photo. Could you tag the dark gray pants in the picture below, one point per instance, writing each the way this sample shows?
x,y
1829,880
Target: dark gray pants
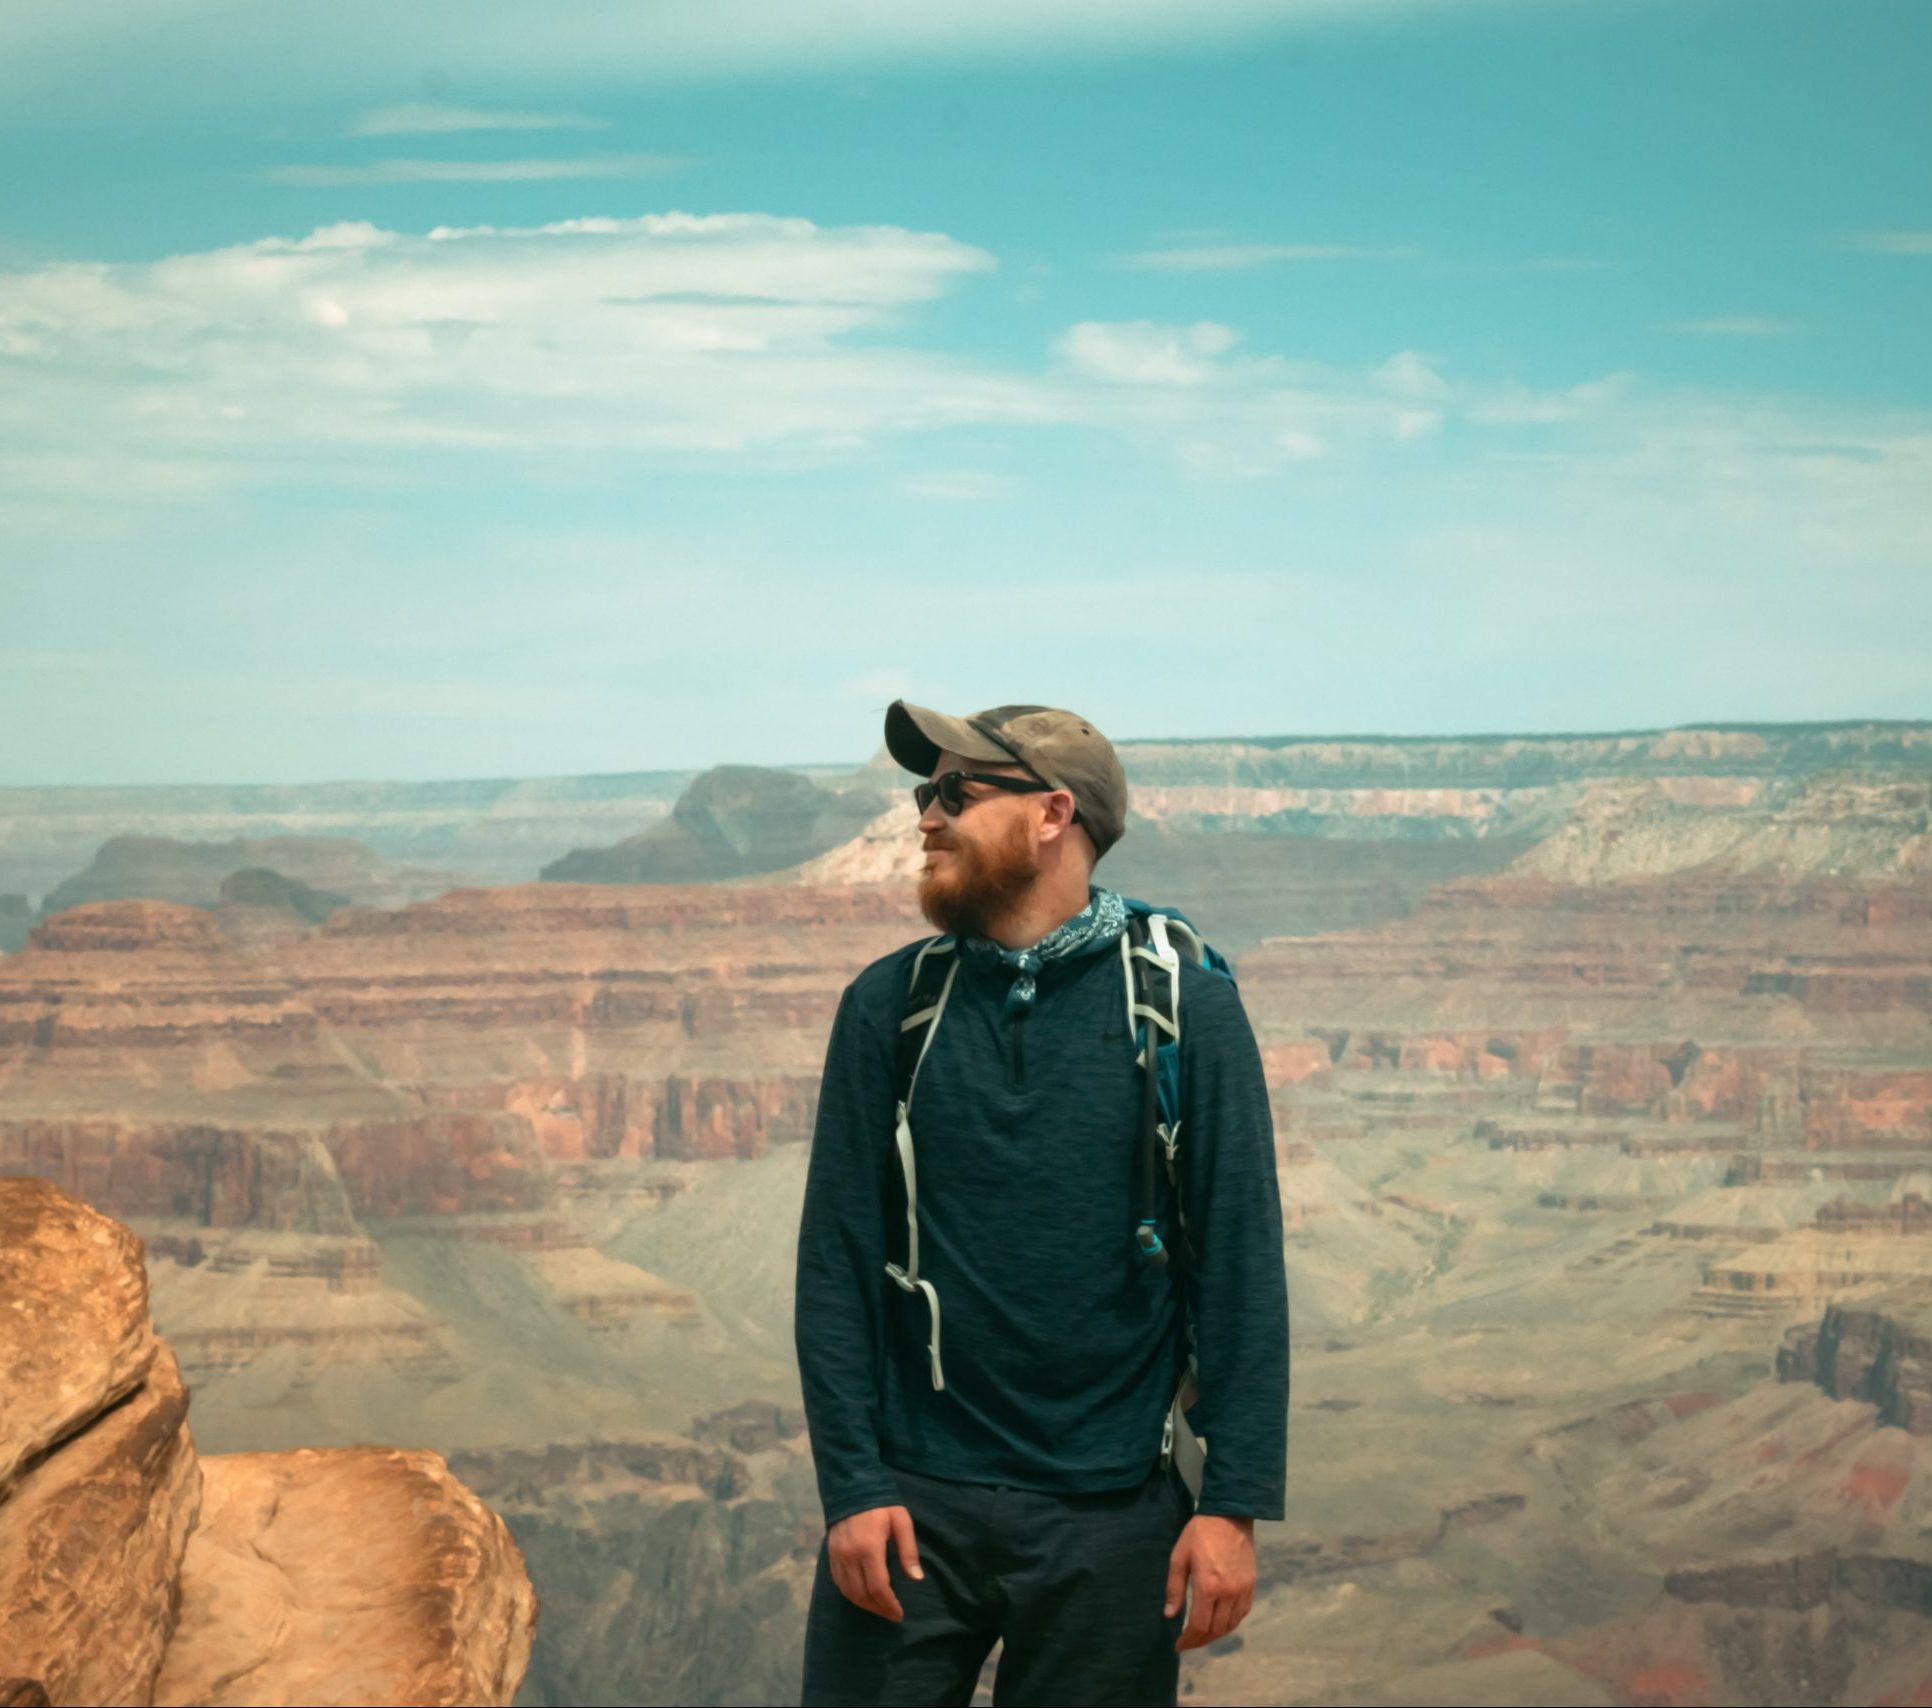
x,y
1071,1585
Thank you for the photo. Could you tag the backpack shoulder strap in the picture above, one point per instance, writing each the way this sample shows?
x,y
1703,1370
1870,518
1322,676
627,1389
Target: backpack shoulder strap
x,y
931,983
926,993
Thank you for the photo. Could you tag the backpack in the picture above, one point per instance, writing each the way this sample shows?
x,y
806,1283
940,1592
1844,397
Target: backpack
x,y
1151,949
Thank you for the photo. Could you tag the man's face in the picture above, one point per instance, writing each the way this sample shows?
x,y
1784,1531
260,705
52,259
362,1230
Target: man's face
x,y
982,862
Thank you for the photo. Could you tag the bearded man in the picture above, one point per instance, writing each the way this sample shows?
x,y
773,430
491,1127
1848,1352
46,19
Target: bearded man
x,y
1018,1489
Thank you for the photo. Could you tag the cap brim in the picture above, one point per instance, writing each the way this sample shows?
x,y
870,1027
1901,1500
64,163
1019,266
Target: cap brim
x,y
916,736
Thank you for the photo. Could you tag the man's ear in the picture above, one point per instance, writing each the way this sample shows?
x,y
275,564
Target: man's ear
x,y
1059,813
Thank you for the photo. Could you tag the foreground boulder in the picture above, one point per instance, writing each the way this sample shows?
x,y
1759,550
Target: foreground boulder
x,y
305,1584
91,1543
75,1335
133,1572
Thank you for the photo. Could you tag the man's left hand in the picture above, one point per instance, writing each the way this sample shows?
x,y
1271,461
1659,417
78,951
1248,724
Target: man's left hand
x,y
1217,1554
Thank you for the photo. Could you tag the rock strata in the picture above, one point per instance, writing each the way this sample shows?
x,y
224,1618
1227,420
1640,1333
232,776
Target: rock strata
x,y
1870,1355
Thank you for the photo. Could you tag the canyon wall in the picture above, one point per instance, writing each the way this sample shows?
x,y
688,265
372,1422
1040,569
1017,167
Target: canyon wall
x,y
1600,1071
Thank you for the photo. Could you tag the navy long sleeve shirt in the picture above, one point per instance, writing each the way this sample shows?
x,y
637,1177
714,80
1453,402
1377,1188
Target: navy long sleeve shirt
x,y
1061,1346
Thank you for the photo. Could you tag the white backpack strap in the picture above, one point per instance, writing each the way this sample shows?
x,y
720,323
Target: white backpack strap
x,y
908,1276
1180,1446
1160,953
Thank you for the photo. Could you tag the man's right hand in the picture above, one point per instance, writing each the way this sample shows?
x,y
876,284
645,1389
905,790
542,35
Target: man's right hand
x,y
857,1548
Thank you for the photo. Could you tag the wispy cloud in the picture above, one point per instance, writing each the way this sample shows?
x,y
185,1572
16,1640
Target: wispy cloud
x,y
430,119
479,171
662,42
957,485
667,332
1736,326
1236,257
1890,242
1142,352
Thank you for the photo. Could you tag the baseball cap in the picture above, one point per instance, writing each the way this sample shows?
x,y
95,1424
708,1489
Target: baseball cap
x,y
1057,746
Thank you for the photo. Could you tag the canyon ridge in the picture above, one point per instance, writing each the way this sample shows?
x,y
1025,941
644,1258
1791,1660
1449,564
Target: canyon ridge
x,y
471,1119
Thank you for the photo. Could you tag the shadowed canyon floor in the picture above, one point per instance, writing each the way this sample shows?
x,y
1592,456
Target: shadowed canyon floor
x,y
1602,1071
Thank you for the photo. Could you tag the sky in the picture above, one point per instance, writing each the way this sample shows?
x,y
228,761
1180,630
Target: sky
x,y
483,390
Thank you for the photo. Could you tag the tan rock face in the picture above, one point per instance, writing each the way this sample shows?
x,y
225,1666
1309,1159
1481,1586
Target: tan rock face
x,y
74,1328
357,1575
91,1541
367,1576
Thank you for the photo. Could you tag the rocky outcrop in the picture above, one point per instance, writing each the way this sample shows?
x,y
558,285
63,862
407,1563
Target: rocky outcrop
x,y
1871,1355
732,822
212,1176
98,1481
131,1571
359,1575
1808,1580
75,1337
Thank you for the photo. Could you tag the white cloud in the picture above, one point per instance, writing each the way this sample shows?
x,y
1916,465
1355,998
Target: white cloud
x,y
1736,326
957,485
350,357
1139,352
666,332
1234,257
414,171
1518,405
430,119
1408,374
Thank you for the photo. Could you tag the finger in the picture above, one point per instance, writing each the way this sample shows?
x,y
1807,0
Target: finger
x,y
1243,1609
1176,1579
908,1545
1196,1631
878,1586
1207,1622
1221,1620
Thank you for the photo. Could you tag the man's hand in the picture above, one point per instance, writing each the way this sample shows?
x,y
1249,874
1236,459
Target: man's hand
x,y
1218,1554
857,1548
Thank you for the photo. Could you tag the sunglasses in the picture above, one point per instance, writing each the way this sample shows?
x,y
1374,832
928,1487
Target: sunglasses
x,y
949,791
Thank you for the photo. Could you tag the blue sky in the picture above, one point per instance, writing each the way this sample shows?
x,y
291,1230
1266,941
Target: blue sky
x,y
491,390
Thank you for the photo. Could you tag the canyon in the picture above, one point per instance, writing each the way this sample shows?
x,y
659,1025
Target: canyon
x,y
1601,1069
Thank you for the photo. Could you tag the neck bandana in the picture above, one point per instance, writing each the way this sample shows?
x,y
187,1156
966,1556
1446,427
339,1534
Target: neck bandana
x,y
1092,929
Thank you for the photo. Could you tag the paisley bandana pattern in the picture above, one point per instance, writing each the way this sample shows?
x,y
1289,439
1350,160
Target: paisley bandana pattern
x,y
1094,928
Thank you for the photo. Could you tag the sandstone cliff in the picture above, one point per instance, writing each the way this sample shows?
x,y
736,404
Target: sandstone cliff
x,y
132,1571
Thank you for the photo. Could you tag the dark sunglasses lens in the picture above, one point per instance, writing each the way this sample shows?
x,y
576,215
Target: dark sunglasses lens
x,y
947,791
